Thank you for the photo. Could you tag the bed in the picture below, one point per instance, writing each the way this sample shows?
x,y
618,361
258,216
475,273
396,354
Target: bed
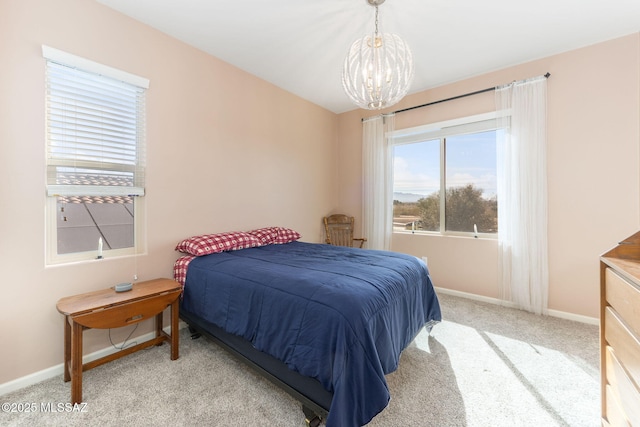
x,y
325,323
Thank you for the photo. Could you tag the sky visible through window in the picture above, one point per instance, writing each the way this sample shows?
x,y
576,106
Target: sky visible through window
x,y
470,159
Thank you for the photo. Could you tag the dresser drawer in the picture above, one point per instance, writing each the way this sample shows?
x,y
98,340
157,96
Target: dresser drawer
x,y
624,298
626,345
626,393
615,415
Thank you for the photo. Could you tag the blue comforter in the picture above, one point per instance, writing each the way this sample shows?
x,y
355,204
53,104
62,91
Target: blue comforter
x,y
340,315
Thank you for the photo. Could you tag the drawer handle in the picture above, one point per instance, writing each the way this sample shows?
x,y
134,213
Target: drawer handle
x,y
134,318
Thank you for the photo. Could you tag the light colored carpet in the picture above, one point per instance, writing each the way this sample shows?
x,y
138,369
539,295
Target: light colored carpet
x,y
484,365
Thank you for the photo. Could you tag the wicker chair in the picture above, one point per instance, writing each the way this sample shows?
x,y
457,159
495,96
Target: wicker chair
x,y
339,231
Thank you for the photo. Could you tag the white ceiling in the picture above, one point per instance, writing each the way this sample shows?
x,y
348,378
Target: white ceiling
x,y
300,45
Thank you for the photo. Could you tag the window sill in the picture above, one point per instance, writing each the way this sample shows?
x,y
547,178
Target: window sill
x,y
480,236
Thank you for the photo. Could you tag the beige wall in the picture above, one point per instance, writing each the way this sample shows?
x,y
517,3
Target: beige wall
x,y
229,151
225,151
593,169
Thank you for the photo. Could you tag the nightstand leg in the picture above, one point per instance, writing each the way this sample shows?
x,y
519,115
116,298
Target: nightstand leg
x,y
67,348
159,326
175,335
76,362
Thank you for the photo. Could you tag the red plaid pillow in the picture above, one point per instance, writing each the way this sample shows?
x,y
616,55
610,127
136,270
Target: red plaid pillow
x,y
266,235
180,268
286,235
214,243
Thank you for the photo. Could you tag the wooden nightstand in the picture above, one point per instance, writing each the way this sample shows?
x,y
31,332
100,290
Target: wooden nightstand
x,y
107,309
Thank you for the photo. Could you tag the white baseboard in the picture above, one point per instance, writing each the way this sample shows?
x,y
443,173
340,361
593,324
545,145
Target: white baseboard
x,y
58,370
554,313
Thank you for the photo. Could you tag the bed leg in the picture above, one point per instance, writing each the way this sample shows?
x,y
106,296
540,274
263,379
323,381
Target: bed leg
x,y
310,417
194,333
429,327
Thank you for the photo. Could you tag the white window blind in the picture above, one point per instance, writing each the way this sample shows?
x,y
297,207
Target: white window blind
x,y
95,128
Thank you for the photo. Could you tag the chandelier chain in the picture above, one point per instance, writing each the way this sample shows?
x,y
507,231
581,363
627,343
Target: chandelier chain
x,y
376,33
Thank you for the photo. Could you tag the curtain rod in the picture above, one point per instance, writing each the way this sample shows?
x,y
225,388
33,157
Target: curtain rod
x,y
489,89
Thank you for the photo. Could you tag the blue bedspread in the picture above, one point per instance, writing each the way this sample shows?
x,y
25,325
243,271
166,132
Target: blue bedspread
x,y
340,315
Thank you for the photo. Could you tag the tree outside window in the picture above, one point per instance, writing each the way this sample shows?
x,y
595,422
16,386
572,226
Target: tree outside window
x,y
447,185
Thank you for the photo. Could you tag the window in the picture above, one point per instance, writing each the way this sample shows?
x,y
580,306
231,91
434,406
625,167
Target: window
x,y
95,158
445,178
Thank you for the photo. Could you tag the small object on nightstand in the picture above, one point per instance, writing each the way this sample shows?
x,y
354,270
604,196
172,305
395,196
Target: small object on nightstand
x,y
123,287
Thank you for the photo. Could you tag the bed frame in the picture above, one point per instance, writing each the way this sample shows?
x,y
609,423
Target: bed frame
x,y
315,400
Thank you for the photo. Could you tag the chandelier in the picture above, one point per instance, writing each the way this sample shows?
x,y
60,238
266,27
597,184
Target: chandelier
x,y
378,69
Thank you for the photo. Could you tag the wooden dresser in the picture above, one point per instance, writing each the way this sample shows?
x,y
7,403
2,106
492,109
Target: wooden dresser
x,y
620,333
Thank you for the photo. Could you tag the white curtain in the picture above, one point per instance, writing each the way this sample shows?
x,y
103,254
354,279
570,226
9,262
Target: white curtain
x,y
522,194
377,182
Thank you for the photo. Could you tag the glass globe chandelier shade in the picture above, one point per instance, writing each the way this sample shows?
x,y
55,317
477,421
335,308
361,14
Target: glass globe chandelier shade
x,y
378,69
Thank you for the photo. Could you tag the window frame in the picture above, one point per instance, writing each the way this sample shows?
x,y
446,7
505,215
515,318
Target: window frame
x,y
440,131
52,257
